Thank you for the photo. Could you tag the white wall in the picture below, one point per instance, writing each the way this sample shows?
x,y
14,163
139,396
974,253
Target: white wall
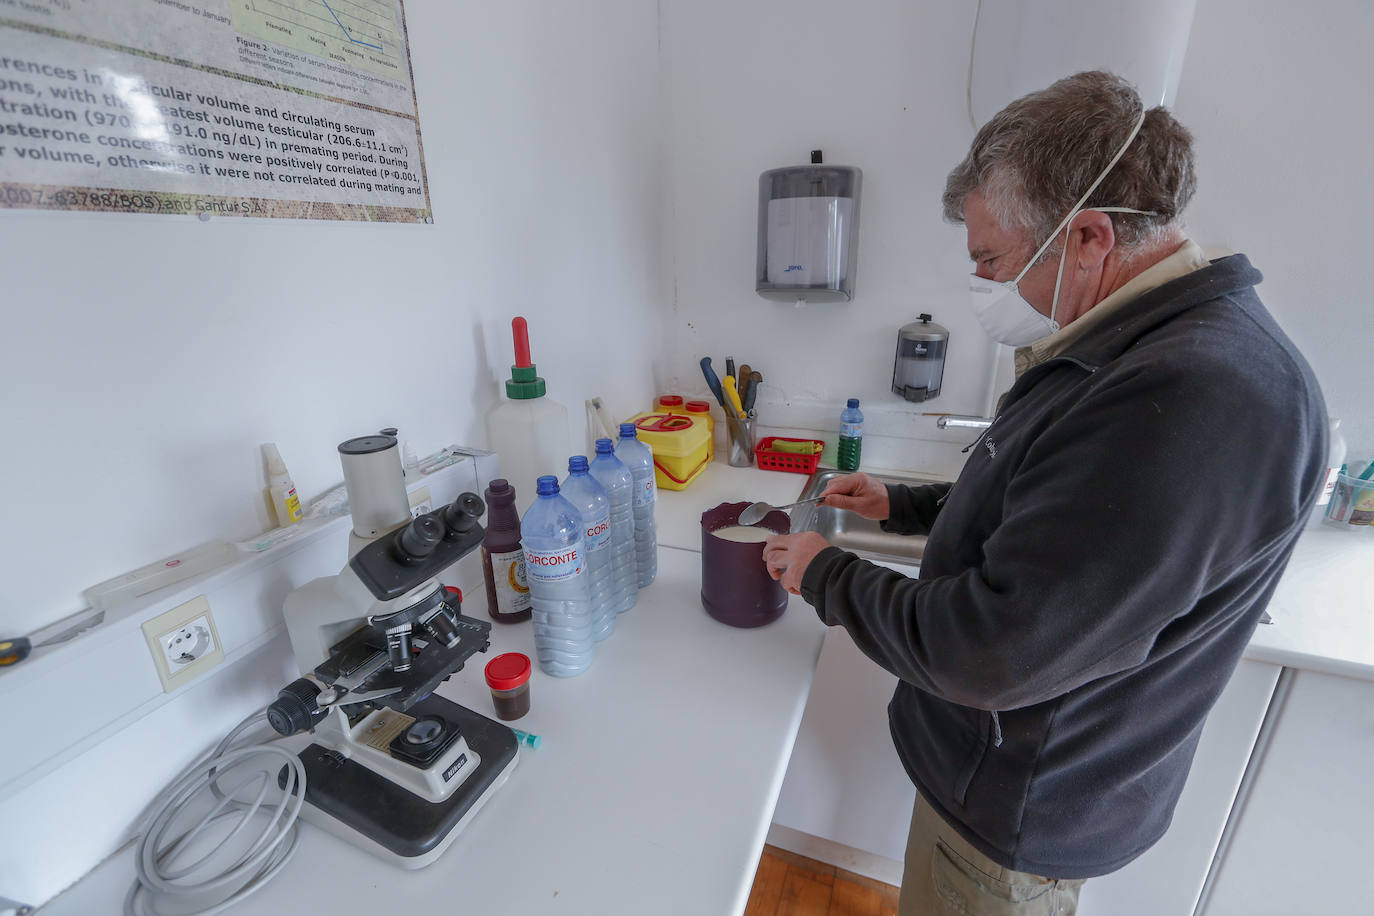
x,y
1273,93
1277,97
146,358
758,85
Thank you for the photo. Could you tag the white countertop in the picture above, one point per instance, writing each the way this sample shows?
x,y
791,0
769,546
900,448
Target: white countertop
x,y
1323,608
653,788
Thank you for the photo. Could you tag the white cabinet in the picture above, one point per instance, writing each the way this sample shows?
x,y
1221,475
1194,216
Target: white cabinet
x,y
1168,878
844,782
1300,840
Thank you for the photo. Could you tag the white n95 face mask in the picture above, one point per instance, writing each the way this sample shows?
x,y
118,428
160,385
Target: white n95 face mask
x,y
1005,315
1000,308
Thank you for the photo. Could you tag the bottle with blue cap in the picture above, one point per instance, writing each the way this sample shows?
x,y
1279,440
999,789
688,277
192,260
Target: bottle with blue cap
x,y
639,458
612,474
851,436
589,496
552,535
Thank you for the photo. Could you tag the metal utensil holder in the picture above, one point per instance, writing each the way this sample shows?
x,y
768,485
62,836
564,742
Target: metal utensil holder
x,y
740,437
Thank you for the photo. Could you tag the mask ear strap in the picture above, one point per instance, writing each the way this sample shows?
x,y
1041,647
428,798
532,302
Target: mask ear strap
x,y
1059,277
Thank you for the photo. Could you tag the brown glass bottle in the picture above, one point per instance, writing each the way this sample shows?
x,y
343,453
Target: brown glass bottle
x,y
503,560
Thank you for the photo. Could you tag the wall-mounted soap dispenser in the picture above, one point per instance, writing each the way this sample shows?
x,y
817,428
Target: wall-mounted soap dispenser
x,y
808,232
919,365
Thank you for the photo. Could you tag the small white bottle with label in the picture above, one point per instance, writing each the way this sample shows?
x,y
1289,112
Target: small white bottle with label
x,y
285,503
1335,459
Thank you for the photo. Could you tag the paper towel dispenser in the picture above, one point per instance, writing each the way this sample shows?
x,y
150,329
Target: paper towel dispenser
x,y
808,232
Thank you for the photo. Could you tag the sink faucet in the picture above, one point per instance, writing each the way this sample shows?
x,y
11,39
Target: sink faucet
x,y
953,421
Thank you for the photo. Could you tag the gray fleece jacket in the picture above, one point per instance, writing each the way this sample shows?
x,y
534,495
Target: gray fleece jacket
x,y
1091,579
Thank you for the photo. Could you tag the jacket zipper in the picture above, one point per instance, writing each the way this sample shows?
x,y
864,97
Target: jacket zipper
x,y
1072,360
941,501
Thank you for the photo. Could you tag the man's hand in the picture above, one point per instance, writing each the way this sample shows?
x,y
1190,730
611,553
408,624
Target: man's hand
x,y
860,494
788,555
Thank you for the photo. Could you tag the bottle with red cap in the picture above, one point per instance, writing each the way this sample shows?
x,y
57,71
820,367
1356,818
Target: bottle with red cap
x,y
529,430
668,403
701,411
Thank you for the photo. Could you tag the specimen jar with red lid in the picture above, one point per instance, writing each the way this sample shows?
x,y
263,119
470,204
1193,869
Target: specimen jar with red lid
x,y
508,676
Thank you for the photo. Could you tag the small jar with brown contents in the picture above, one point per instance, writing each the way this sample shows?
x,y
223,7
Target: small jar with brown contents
x,y
508,676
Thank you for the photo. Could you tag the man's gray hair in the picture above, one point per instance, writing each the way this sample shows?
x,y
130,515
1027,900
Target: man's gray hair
x,y
1036,157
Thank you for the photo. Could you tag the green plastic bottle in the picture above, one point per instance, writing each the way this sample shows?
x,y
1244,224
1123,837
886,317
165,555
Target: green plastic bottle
x,y
851,437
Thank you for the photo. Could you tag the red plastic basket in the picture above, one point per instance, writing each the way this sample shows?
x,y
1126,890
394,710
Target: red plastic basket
x,y
770,460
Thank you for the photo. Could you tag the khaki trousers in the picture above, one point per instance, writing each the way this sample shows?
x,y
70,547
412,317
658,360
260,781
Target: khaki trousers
x,y
946,876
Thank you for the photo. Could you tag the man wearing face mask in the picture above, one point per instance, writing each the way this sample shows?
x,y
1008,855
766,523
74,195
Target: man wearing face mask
x,y
1091,579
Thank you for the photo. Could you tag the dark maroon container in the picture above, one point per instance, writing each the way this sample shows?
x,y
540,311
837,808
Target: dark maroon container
x,y
735,585
503,565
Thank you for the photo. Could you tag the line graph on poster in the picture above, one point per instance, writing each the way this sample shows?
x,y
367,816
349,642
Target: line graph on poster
x,y
363,34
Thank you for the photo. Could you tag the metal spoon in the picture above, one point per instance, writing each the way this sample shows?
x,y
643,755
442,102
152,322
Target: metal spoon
x,y
754,512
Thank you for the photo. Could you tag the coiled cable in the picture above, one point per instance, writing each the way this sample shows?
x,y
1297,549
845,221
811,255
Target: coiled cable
x,y
222,794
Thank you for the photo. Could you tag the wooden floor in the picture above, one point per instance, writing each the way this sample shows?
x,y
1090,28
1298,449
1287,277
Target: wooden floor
x,y
787,884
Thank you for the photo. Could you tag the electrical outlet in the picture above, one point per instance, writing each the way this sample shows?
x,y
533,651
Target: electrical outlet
x,y
420,501
184,643
188,643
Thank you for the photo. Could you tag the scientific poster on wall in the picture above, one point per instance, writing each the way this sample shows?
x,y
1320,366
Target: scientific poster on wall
x,y
300,109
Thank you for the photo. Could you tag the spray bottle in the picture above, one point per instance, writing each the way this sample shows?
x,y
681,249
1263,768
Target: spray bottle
x,y
528,431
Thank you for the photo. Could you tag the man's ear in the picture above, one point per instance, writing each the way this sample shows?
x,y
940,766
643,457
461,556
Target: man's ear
x,y
1094,236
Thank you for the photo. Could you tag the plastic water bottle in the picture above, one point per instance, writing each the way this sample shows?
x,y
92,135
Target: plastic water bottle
x,y
556,572
589,496
612,474
851,437
639,458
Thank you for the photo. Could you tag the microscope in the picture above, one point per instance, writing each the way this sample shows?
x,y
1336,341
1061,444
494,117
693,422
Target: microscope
x,y
394,767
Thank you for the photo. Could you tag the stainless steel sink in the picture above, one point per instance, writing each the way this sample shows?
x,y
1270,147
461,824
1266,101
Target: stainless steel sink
x,y
853,532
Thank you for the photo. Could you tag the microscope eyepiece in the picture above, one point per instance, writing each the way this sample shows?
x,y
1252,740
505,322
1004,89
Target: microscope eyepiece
x,y
420,537
461,514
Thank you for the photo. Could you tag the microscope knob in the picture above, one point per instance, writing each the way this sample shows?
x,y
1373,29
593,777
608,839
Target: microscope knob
x,y
463,513
420,537
295,710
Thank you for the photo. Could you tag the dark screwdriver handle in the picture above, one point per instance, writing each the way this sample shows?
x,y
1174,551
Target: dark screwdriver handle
x,y
13,651
712,380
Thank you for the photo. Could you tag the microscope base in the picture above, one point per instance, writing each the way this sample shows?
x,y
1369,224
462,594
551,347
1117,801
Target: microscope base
x,y
356,804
